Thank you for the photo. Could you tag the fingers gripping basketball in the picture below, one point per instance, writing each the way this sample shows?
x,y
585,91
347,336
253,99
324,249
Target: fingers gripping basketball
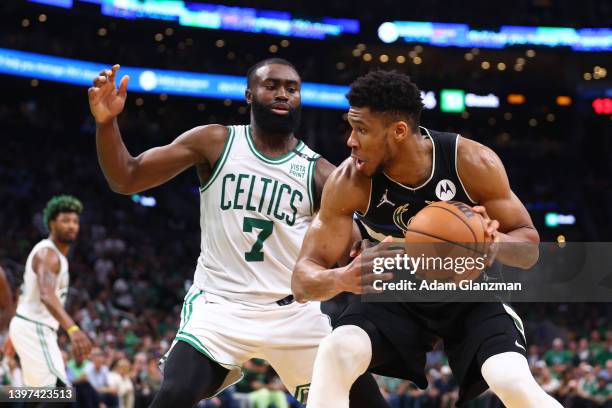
x,y
448,230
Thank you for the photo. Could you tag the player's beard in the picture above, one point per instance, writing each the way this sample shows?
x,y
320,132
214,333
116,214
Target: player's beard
x,y
66,239
270,122
380,169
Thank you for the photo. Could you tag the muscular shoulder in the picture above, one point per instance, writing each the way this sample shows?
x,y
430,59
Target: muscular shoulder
x,y
346,189
203,137
47,258
206,140
480,169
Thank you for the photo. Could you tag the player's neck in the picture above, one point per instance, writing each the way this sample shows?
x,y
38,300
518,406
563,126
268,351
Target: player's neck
x,y
413,161
272,144
63,248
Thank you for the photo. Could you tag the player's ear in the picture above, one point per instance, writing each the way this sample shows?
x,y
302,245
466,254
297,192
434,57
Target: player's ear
x,y
248,95
402,130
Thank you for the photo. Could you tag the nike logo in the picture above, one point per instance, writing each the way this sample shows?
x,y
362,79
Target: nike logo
x,y
517,344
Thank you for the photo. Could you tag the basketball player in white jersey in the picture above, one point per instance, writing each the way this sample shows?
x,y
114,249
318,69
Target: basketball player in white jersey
x,y
40,308
259,188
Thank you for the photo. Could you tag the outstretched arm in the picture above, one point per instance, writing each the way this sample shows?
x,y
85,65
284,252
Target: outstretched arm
x,y
127,174
46,265
507,218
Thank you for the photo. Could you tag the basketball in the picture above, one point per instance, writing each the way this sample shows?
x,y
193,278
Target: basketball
x,y
452,237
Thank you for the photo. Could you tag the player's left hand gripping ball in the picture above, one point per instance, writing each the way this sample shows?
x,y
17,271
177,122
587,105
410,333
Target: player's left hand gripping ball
x,y
492,233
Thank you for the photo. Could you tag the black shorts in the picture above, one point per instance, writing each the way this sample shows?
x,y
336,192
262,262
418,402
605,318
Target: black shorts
x,y
403,333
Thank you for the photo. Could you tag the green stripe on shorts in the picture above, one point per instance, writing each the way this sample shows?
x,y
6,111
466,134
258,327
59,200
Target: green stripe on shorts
x,y
49,361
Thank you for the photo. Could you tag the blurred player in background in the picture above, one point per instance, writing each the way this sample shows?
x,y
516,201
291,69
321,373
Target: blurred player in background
x,y
6,302
398,165
40,308
259,189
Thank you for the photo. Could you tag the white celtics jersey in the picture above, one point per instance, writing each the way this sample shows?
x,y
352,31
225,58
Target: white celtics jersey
x,y
255,211
30,306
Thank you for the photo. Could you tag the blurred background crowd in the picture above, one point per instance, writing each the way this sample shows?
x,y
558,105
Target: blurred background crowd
x,y
135,255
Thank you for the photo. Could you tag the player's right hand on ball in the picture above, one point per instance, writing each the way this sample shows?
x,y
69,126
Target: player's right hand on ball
x,y
81,346
105,100
358,276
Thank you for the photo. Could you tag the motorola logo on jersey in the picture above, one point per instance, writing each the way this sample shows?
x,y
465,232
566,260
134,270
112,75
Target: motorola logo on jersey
x,y
446,190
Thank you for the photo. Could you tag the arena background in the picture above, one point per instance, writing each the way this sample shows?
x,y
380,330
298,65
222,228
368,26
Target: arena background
x,y
545,108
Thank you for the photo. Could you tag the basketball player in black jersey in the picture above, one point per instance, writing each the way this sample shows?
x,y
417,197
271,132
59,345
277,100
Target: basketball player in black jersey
x,y
396,164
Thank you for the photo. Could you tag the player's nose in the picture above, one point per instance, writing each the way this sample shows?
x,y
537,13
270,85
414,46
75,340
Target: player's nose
x,y
352,141
281,94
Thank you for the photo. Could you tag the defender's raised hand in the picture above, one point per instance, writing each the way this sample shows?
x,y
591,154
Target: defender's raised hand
x,y
105,100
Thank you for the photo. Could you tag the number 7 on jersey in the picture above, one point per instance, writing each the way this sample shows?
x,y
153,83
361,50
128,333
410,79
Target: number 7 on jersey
x,y
266,227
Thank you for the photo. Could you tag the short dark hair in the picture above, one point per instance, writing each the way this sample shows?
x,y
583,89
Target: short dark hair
x,y
267,61
388,92
60,204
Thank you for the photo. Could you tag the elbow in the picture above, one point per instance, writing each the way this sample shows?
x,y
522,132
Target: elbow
x,y
533,256
533,253
123,182
298,292
121,188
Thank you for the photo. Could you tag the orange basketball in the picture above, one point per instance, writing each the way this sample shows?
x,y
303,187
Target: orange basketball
x,y
452,238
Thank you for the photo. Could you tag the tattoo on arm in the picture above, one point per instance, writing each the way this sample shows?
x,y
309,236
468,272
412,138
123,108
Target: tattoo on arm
x,y
49,278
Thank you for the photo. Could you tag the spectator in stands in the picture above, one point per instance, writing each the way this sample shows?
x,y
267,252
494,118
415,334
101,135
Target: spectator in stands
x,y
263,386
568,388
97,374
587,388
583,353
533,355
606,374
546,380
448,388
596,345
140,378
119,378
558,357
394,390
154,375
86,395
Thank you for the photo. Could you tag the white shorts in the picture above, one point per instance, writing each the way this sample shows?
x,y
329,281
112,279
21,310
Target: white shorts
x,y
231,333
39,354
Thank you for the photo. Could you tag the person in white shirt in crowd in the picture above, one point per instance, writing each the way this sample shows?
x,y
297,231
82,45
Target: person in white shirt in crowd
x,y
119,378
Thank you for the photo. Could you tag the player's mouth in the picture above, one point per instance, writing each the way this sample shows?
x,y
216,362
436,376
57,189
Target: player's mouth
x,y
280,108
358,163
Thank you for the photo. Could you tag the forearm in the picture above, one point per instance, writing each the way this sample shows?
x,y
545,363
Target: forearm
x,y
113,156
54,306
312,281
519,248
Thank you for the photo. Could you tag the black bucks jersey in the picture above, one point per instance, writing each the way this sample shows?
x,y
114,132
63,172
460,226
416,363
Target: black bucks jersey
x,y
392,204
402,332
